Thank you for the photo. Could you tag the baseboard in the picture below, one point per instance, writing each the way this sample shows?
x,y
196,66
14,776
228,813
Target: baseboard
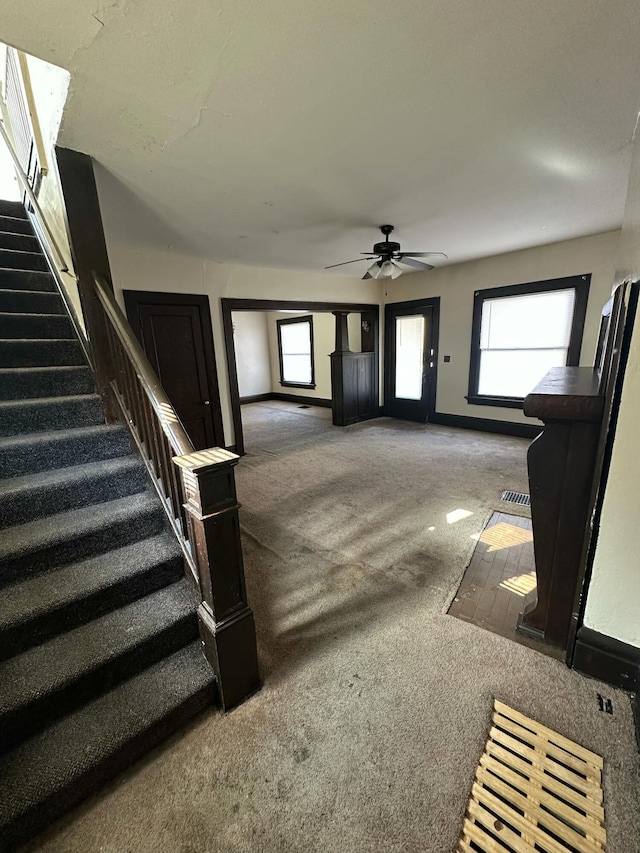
x,y
635,707
256,398
607,659
486,425
301,398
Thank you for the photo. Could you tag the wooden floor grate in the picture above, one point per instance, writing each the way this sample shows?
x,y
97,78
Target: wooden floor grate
x,y
534,790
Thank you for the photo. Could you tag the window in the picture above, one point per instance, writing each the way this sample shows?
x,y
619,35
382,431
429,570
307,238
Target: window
x,y
520,332
295,348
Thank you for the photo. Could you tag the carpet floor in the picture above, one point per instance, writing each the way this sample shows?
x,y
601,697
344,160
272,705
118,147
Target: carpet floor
x,y
376,704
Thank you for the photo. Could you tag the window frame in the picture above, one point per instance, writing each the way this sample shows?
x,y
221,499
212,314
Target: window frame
x,y
308,318
579,283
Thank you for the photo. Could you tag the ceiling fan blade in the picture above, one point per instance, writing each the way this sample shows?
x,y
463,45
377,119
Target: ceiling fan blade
x,y
344,263
424,254
419,265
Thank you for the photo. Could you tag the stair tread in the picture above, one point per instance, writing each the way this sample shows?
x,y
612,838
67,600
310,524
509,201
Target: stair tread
x,y
9,443
5,405
52,771
29,538
26,600
53,369
59,662
70,474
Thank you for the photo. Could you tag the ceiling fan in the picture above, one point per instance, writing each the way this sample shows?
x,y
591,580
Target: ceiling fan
x,y
390,257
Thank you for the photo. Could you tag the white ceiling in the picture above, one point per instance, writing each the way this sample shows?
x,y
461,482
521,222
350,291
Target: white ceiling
x,y
281,134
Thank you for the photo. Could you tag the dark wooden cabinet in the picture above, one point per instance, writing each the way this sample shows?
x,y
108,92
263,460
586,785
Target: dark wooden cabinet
x,y
561,463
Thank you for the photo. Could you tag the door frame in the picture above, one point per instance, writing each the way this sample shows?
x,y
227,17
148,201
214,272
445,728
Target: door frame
x,y
431,304
135,298
229,305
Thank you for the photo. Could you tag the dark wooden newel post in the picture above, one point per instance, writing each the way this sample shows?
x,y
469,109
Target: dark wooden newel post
x,y
226,621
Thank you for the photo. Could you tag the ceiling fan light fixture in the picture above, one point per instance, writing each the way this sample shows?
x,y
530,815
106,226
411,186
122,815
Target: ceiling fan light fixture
x,y
387,269
375,270
397,271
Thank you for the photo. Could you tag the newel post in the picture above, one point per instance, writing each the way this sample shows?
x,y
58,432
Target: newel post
x,y
226,622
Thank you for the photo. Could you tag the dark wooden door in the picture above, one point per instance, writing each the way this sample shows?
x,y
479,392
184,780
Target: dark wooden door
x,y
410,360
175,332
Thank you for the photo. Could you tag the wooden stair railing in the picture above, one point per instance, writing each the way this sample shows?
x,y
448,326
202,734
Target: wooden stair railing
x,y
197,490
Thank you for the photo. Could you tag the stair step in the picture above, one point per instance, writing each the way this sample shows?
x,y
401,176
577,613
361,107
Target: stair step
x,y
27,550
24,499
14,259
30,302
50,680
44,451
35,326
14,225
47,775
21,242
28,383
13,208
26,280
37,609
38,352
49,413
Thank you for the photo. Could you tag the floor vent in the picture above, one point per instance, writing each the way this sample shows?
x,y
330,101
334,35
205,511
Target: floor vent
x,y
516,498
534,790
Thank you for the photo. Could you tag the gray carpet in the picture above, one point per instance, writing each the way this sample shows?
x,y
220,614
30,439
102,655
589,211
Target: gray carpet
x,y
376,704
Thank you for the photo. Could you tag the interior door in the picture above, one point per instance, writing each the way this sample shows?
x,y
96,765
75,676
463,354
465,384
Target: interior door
x,y
176,335
410,361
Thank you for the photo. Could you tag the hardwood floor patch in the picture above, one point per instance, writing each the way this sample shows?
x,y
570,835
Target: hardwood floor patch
x,y
535,790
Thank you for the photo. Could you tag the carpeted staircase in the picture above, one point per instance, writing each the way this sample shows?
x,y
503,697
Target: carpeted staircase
x,y
99,650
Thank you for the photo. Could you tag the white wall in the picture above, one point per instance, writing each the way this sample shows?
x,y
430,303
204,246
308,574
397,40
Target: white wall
x,y
456,284
251,339
324,334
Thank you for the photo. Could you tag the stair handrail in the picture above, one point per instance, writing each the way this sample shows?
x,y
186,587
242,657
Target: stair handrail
x,y
42,219
167,415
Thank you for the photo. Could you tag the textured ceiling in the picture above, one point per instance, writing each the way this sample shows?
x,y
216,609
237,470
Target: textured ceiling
x,y
282,134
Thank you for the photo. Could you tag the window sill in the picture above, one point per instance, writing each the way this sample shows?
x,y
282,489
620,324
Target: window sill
x,y
504,402
310,385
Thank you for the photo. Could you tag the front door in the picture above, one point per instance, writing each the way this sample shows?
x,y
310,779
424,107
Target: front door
x,y
175,332
410,360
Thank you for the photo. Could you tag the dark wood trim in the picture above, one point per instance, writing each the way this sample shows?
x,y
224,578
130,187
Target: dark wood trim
x,y
229,305
134,298
416,306
580,283
617,345
607,659
635,708
291,321
486,425
323,402
256,398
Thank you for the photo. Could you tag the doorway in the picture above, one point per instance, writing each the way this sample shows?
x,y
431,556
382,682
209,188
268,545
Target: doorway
x,y
176,335
411,358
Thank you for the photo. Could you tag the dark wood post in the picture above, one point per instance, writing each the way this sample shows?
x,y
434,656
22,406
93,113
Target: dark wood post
x,y
226,621
353,377
89,254
342,331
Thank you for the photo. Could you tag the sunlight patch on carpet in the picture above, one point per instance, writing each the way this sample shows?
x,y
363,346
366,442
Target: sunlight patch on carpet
x,y
535,790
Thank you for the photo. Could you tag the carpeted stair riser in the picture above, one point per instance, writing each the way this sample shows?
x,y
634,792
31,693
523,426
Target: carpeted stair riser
x,y
38,353
21,242
27,280
43,607
30,302
56,770
13,208
47,682
26,551
35,326
27,498
13,225
23,416
14,259
29,454
28,383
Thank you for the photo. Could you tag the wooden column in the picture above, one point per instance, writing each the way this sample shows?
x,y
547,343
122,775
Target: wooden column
x,y
353,379
89,254
561,464
342,331
226,621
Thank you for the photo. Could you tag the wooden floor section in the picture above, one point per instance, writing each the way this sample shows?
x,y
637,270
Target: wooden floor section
x,y
535,790
500,580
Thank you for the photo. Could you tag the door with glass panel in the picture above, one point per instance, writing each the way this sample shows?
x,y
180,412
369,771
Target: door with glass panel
x,y
410,361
